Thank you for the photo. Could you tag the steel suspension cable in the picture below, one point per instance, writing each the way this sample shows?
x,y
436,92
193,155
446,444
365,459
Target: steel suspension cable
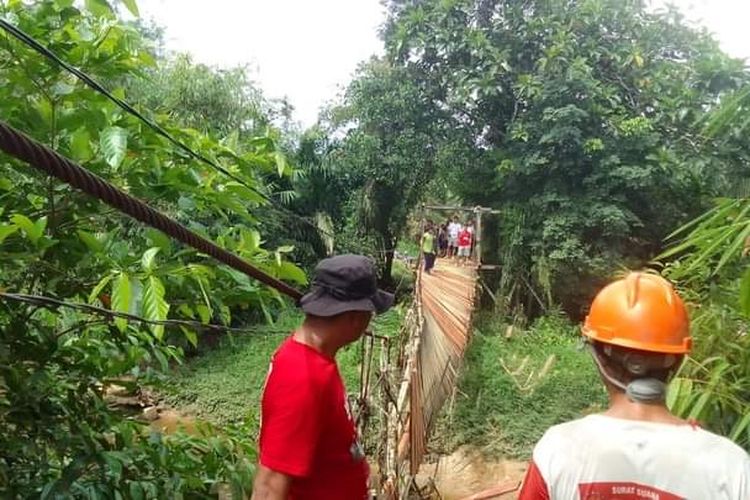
x,y
19,145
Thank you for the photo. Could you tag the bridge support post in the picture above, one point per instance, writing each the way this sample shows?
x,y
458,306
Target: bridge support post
x,y
478,237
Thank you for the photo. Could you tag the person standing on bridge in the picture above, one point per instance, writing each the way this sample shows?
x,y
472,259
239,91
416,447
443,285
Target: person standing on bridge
x,y
454,228
428,247
442,249
638,332
464,245
309,448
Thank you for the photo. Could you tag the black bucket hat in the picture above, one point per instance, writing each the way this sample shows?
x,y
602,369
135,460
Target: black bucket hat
x,y
345,283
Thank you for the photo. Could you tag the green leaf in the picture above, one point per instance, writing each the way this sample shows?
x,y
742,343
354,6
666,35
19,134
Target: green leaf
x,y
62,89
100,8
185,310
680,395
132,7
99,287
281,165
6,230
191,336
154,305
743,424
121,298
113,464
291,272
204,312
114,144
226,315
80,145
91,242
136,490
266,313
39,226
147,261
745,293
251,240
33,230
158,239
700,405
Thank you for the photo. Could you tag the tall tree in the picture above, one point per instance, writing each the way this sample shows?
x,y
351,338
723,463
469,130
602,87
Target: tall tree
x,y
582,117
390,150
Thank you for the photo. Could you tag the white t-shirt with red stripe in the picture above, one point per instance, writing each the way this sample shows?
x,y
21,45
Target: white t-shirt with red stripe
x,y
600,457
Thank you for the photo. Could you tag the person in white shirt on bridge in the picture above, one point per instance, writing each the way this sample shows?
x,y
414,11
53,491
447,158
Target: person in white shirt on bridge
x,y
638,332
454,228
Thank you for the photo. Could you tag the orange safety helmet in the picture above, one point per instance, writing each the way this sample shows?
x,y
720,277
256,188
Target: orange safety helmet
x,y
641,311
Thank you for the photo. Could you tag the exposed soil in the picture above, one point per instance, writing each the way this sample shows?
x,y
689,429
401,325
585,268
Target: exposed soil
x,y
465,473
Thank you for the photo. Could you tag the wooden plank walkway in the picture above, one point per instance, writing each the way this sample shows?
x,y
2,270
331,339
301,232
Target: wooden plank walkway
x,y
446,297
439,326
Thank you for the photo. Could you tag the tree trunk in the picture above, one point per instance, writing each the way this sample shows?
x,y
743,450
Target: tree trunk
x,y
389,248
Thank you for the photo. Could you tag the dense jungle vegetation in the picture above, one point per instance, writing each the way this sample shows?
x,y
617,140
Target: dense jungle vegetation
x,y
609,136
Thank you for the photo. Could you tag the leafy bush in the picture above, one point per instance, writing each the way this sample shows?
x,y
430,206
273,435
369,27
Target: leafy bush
x,y
708,262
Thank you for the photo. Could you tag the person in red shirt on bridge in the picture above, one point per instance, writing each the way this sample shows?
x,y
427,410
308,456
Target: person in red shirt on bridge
x,y
309,448
465,237
638,333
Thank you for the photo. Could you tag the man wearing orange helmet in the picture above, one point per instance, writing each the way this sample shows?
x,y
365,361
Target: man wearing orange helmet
x,y
638,332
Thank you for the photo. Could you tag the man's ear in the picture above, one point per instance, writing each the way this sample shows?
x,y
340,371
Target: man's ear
x,y
351,318
362,318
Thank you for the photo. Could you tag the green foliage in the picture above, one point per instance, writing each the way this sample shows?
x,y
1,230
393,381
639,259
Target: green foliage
x,y
710,242
59,438
707,259
114,144
515,387
391,150
370,161
583,119
220,102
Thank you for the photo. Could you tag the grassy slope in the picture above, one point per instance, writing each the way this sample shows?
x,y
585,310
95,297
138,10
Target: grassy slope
x,y
492,412
224,384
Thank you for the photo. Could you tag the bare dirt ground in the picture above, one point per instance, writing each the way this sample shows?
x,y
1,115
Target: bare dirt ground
x,y
466,472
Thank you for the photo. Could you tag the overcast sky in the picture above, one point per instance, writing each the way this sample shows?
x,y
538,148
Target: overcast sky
x,y
306,49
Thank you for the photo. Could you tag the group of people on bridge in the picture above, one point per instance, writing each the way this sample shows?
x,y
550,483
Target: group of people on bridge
x,y
452,240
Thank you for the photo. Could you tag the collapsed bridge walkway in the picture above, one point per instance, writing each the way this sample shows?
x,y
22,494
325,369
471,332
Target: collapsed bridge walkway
x,y
435,335
437,331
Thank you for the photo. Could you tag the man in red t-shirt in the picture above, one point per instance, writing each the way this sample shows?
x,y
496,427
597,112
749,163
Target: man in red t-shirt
x,y
464,245
309,448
